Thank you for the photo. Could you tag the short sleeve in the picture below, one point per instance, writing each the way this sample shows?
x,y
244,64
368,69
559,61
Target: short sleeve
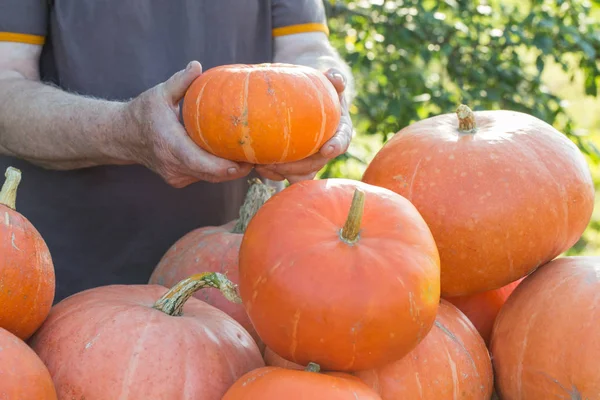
x,y
23,21
298,16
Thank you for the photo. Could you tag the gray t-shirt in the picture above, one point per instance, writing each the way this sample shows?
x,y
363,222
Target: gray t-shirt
x,y
112,224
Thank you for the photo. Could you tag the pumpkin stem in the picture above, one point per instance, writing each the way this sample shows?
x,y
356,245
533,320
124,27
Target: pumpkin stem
x,y
466,119
257,195
172,302
312,367
8,193
350,231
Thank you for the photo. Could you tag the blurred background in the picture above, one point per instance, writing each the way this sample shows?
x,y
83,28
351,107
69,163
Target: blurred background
x,y
413,59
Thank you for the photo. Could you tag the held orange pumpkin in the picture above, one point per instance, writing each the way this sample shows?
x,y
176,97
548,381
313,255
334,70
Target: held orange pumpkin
x,y
451,362
27,280
261,113
22,374
120,342
274,383
545,342
503,192
214,249
482,308
340,273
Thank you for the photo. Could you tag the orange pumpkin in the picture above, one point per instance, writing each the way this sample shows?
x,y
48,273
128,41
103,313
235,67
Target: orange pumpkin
x,y
503,192
482,308
274,383
27,280
119,342
451,362
22,374
545,342
348,290
261,113
214,249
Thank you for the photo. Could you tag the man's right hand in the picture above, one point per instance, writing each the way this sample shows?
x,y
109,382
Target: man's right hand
x,y
159,141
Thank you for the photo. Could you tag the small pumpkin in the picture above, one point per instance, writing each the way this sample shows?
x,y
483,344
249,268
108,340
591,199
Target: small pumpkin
x,y
482,308
22,374
261,113
503,192
451,362
137,347
340,273
27,279
275,383
545,340
214,249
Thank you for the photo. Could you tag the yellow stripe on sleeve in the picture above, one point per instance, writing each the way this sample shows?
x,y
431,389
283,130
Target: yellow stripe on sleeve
x,y
22,38
301,28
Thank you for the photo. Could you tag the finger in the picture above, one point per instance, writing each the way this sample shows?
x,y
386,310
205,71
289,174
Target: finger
x,y
268,174
337,79
303,167
176,86
340,142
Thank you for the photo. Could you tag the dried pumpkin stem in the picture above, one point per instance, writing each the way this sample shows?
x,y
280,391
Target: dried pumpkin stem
x,y
257,195
466,119
8,193
351,230
173,301
312,367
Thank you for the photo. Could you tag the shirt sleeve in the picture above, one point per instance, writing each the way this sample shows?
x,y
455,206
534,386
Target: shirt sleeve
x,y
23,21
298,16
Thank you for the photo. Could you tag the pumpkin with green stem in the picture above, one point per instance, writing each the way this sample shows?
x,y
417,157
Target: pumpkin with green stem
x,y
214,249
340,273
27,279
503,192
137,347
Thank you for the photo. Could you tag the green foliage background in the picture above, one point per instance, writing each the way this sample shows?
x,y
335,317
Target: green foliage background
x,y
413,59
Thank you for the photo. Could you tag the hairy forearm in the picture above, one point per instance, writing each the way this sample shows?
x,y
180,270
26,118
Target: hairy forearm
x,y
58,130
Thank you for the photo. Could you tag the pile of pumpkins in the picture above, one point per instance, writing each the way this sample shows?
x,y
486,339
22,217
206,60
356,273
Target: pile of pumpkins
x,y
437,276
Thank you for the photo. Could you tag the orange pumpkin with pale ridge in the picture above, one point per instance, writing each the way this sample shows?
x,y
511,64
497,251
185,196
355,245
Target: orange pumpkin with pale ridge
x,y
261,113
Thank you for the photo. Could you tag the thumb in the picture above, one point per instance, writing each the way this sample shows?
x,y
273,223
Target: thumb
x,y
176,86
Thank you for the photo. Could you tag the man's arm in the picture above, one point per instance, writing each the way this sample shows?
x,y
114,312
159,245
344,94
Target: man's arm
x,y
313,49
55,129
49,127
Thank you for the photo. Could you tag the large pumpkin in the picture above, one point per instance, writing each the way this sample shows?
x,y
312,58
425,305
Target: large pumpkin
x,y
340,273
214,249
451,362
261,113
503,192
545,342
274,383
27,280
482,308
120,342
22,374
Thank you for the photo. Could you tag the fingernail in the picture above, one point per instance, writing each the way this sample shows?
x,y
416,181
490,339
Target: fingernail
x,y
232,171
189,66
329,149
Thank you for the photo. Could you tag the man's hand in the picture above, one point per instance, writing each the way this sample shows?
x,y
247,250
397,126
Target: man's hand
x,y
307,169
161,143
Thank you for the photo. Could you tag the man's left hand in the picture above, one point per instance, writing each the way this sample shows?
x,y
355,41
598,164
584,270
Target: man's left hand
x,y
307,168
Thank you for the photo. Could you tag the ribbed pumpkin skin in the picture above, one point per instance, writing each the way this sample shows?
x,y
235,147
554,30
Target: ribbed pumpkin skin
x,y
273,383
108,343
314,298
545,342
500,202
262,113
22,373
452,362
27,280
202,250
483,308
